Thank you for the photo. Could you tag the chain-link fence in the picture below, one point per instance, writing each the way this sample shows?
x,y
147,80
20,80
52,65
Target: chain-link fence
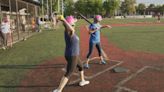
x,y
22,17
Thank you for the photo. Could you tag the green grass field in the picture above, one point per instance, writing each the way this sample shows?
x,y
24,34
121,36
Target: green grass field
x,y
144,39
137,38
50,44
123,21
35,50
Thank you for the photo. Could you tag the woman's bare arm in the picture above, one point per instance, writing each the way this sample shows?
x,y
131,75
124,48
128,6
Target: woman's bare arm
x,y
105,26
67,26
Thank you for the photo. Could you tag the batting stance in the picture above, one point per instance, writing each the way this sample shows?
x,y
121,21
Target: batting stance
x,y
71,52
94,30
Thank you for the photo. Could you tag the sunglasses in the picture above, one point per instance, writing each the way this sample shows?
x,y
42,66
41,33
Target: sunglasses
x,y
73,25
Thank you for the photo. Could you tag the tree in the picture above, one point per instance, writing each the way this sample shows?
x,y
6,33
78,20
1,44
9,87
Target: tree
x,y
141,8
94,7
98,7
128,7
162,9
89,10
69,7
159,9
89,7
151,6
151,9
110,6
80,6
54,6
123,8
131,6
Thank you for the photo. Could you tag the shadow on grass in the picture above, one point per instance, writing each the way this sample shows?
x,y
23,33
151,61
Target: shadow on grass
x,y
32,66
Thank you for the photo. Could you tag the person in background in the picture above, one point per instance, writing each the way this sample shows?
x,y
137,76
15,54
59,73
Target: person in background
x,y
38,24
158,17
54,19
6,33
23,23
33,24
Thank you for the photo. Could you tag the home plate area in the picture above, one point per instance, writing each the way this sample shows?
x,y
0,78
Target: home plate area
x,y
146,79
95,70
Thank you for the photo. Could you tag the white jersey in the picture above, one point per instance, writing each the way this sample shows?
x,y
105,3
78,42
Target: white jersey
x,y
5,27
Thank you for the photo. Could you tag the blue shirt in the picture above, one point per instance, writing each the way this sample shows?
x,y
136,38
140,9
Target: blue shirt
x,y
72,45
95,37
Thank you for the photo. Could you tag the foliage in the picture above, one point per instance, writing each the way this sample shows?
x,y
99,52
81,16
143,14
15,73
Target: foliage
x,y
151,6
141,8
108,8
111,6
69,7
89,7
128,7
41,47
136,38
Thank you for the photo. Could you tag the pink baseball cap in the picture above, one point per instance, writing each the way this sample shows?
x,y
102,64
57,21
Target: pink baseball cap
x,y
71,20
98,17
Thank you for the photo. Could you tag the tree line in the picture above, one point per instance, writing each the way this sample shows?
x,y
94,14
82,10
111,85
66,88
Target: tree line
x,y
107,8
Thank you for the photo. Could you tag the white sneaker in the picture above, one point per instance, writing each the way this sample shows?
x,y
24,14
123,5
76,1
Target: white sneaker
x,y
83,83
56,90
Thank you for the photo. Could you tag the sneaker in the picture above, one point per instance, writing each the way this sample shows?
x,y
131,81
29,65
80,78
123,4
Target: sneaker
x,y
103,62
56,90
83,83
86,66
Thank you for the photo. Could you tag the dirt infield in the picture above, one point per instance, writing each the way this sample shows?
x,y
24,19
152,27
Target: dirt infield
x,y
146,72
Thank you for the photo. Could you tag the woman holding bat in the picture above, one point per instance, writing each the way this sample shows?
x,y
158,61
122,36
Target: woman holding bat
x,y
71,52
94,30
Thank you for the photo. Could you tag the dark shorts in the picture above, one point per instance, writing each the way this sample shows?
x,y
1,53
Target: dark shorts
x,y
91,45
73,62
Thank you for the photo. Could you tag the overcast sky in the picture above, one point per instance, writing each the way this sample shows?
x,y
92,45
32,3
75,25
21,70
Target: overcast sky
x,y
156,2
